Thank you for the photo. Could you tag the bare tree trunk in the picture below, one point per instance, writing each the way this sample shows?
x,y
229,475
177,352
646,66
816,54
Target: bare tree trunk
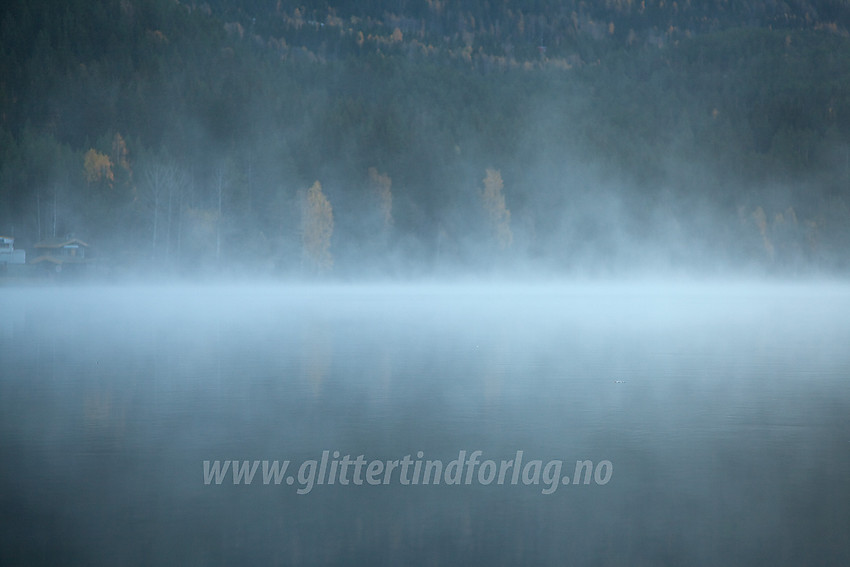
x,y
38,211
250,187
168,223
155,222
159,178
218,223
179,223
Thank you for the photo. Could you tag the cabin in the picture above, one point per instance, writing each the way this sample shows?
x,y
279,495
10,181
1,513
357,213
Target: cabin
x,y
60,252
8,254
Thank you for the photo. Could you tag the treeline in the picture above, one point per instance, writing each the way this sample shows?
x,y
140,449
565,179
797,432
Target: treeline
x,y
425,136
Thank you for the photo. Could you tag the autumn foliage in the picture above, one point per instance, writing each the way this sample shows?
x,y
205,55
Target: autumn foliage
x,y
98,167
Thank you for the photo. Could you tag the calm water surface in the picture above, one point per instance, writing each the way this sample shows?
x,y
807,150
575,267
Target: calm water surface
x,y
723,411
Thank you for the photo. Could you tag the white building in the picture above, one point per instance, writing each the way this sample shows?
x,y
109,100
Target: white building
x,y
8,254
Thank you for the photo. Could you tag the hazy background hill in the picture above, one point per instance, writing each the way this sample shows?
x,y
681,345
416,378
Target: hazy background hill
x,y
553,137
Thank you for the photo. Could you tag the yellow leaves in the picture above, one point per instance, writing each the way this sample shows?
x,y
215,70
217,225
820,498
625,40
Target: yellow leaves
x,y
494,204
98,167
382,185
110,169
397,36
318,226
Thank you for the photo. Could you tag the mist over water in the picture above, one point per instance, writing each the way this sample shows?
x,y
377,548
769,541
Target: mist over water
x,y
721,406
590,256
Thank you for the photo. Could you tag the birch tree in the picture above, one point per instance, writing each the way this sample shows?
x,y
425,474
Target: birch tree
x,y
163,183
317,228
382,186
498,214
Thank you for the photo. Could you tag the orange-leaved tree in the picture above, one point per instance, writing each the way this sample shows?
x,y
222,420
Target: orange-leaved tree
x,y
98,167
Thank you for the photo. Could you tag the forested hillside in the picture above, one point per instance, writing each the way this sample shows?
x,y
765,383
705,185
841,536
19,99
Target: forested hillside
x,y
428,137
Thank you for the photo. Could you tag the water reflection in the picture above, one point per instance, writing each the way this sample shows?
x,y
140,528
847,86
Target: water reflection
x,y
724,413
316,353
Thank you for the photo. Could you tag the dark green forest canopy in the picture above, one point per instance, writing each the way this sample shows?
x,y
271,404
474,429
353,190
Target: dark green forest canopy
x,y
184,136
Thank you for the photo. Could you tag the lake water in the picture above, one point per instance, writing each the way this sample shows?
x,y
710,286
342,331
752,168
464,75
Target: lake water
x,y
715,419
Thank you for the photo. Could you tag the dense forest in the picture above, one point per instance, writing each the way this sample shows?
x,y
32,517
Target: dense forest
x,y
428,137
